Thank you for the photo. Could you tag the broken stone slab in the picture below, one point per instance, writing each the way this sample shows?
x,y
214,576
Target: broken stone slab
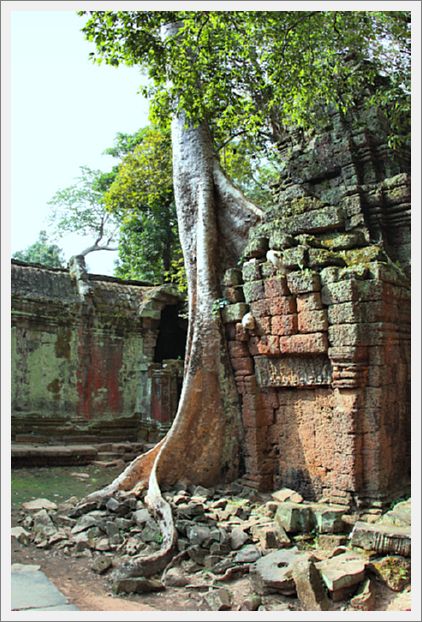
x,y
218,600
238,538
294,517
247,554
392,570
251,603
20,534
328,518
364,599
400,515
43,525
102,564
39,504
342,574
137,585
86,521
198,534
309,586
175,577
331,541
83,508
387,539
270,536
273,572
287,494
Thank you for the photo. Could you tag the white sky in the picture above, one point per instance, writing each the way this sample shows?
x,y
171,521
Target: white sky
x,y
64,112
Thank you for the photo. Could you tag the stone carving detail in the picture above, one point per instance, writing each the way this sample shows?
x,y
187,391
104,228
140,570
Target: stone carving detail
x,y
293,371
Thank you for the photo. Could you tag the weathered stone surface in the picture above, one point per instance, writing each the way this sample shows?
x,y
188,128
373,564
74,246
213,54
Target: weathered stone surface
x,y
303,282
141,516
400,515
388,539
287,494
309,586
274,572
341,573
328,518
238,538
198,534
293,371
175,577
315,221
43,525
137,585
364,600
39,504
394,571
251,603
102,564
20,534
232,277
218,600
247,554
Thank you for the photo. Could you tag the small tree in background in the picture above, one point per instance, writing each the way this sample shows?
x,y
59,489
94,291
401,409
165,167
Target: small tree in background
x,y
42,252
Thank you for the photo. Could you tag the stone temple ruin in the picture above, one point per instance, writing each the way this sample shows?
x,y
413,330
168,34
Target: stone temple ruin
x,y
317,319
98,369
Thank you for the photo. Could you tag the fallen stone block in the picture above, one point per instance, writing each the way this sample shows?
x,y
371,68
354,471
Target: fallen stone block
x,y
137,585
287,494
364,599
342,574
218,600
238,538
309,586
20,534
273,572
102,564
247,554
294,517
328,518
39,504
382,538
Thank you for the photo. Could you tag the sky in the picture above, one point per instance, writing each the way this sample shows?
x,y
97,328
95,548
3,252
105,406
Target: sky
x,y
65,110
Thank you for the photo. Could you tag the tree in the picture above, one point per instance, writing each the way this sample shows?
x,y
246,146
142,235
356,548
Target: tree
x,y
80,209
222,75
142,198
42,252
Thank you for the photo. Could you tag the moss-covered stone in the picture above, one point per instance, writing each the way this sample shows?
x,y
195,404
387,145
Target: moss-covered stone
x,y
394,571
321,258
296,257
344,241
279,241
235,312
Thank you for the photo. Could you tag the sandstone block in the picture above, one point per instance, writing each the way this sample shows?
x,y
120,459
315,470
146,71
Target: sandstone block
x,y
287,494
137,585
232,277
364,600
328,518
315,221
253,290
279,241
234,294
309,586
275,287
238,349
311,343
294,517
273,572
303,282
296,257
251,270
284,324
218,600
312,321
394,571
308,302
342,573
321,258
283,305
257,247
260,308
382,538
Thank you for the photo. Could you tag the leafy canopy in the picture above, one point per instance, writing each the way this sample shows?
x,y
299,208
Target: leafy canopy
x,y
42,252
256,72
80,209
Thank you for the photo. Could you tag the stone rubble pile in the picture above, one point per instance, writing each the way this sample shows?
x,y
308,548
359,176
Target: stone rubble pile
x,y
289,548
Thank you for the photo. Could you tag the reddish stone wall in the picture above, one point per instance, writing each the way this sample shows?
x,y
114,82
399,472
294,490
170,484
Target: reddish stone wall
x,y
318,325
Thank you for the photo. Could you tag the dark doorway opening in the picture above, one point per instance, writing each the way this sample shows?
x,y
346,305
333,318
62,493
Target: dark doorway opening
x,y
171,340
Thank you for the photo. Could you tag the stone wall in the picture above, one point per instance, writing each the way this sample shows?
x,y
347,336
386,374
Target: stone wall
x,y
83,369
318,321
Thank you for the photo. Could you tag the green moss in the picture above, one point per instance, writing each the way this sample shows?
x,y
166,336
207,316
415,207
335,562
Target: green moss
x,y
361,256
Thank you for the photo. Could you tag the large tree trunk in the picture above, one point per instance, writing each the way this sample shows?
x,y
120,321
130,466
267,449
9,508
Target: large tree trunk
x,y
202,446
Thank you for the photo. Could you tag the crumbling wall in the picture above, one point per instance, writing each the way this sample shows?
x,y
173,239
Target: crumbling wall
x,y
318,321
82,367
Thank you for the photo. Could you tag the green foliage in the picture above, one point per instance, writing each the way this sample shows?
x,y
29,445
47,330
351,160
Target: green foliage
x,y
141,197
42,252
80,208
258,72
